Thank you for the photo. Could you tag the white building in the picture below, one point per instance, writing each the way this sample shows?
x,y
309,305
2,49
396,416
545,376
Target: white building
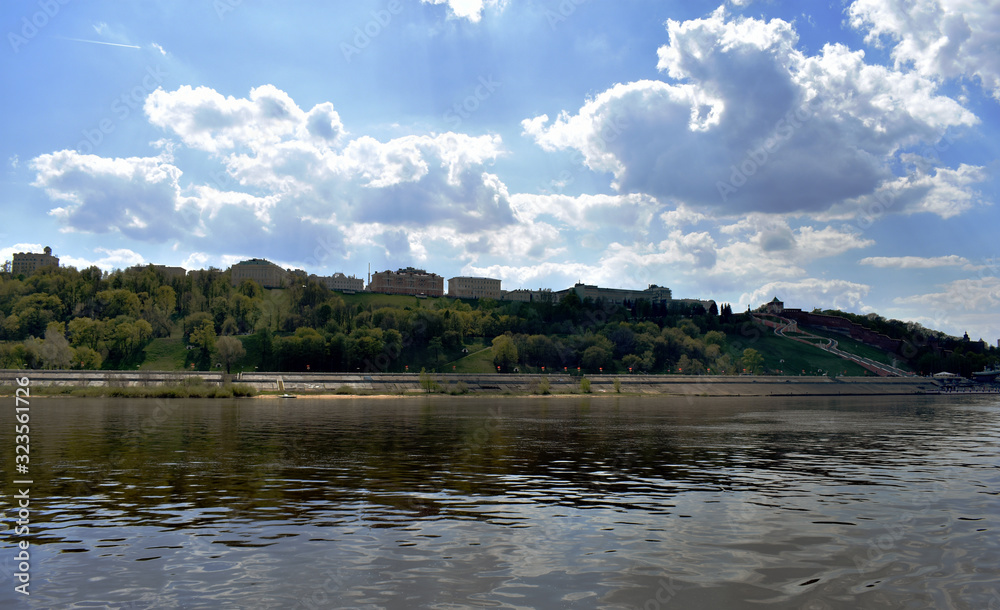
x,y
342,283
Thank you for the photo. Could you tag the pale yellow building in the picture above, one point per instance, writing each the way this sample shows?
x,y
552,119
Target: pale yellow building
x,y
28,262
474,288
264,272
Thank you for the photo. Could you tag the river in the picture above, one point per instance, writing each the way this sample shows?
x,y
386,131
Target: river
x,y
515,502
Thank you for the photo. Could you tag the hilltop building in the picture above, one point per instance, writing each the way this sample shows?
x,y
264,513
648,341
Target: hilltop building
x,y
416,282
262,271
522,295
29,262
169,272
341,282
474,288
653,294
775,307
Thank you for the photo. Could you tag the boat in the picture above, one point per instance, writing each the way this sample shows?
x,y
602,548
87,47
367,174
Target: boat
x,y
287,396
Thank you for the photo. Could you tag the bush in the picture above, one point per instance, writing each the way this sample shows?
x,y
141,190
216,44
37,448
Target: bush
x,y
585,385
618,385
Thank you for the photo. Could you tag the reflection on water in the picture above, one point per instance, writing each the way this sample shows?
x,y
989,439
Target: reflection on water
x,y
813,503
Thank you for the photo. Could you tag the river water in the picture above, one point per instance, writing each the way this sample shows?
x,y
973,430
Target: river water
x,y
561,502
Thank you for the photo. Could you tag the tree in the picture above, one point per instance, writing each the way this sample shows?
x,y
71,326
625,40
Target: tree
x,y
596,357
56,352
230,350
203,337
86,358
504,352
85,332
118,302
752,361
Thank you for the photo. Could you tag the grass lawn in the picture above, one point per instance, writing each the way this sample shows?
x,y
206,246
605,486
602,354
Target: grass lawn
x,y
478,360
796,356
858,348
164,354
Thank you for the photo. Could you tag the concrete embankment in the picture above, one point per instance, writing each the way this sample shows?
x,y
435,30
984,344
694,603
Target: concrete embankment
x,y
400,383
633,384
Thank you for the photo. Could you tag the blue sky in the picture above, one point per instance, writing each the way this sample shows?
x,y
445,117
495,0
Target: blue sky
x,y
836,154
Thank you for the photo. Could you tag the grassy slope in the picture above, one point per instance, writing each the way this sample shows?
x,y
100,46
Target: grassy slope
x,y
165,354
796,356
858,348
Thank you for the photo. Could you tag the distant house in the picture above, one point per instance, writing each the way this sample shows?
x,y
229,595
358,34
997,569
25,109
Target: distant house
x,y
775,306
408,281
262,271
474,288
341,282
27,263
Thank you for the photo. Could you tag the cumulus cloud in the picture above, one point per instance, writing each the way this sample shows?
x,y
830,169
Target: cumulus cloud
x,y
135,196
940,191
809,293
750,123
118,258
468,9
290,180
939,38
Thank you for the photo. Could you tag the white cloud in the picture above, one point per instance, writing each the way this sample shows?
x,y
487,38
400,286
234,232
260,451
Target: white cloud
x,y
809,293
916,262
468,9
283,170
119,258
135,196
753,124
938,38
941,191
968,305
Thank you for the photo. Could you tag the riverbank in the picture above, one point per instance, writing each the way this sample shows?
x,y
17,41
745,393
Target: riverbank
x,y
183,384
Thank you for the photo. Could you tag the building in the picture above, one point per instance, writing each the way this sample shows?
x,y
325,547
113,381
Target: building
x,y
264,272
653,294
27,263
474,288
169,272
341,282
775,306
407,281
529,296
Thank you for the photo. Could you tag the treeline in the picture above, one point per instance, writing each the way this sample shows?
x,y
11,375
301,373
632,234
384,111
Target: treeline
x,y
69,318
928,351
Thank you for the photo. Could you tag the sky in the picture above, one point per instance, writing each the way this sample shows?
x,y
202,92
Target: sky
x,y
833,154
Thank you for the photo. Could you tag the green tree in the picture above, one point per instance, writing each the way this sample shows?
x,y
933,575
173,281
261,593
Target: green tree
x,y
85,332
118,302
596,357
86,358
203,337
56,352
230,350
504,353
752,361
